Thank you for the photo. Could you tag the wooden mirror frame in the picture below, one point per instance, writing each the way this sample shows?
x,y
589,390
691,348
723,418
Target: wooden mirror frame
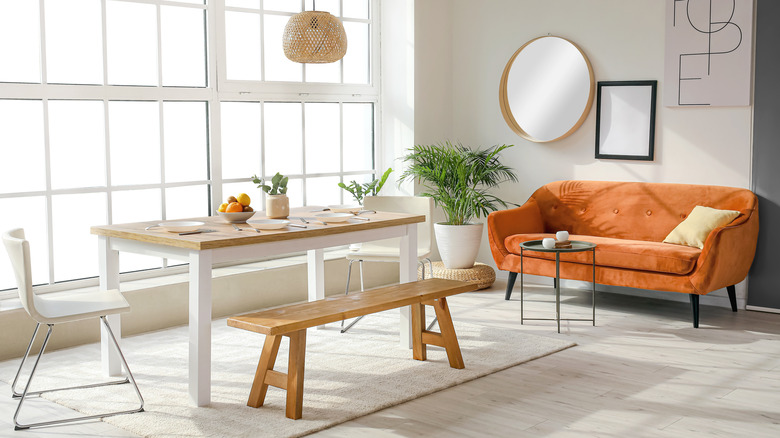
x,y
506,110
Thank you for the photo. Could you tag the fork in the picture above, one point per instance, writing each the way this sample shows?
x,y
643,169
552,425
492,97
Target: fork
x,y
236,227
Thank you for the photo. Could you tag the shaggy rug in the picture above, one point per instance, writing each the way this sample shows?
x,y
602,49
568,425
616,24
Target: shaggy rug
x,y
347,376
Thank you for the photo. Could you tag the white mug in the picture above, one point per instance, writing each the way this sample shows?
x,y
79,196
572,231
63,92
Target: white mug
x,y
562,235
548,242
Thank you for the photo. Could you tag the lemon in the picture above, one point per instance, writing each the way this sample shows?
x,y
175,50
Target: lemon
x,y
243,199
222,207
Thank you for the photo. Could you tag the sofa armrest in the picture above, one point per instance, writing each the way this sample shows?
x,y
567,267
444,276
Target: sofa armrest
x,y
727,254
502,224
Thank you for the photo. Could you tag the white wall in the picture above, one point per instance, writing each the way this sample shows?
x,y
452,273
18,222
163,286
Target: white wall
x,y
624,40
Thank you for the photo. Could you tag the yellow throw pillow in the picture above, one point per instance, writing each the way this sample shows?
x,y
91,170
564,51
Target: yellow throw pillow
x,y
693,231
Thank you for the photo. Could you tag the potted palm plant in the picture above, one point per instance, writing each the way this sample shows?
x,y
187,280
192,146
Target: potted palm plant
x,y
459,179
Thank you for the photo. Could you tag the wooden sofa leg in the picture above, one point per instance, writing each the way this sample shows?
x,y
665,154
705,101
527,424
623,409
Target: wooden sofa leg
x,y
266,364
295,367
695,309
510,283
732,297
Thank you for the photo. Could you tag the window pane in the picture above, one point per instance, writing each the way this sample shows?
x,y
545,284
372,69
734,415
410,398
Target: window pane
x,y
131,38
277,66
240,139
249,4
331,6
283,138
323,191
77,143
20,41
295,192
281,5
185,140
186,202
22,167
74,35
183,46
75,249
136,206
358,136
355,8
134,135
322,138
34,223
242,46
329,73
356,61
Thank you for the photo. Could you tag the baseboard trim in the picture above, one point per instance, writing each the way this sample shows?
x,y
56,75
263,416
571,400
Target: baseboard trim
x,y
762,309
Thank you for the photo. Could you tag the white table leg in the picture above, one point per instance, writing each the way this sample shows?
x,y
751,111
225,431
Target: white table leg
x,y
109,279
315,261
408,273
200,327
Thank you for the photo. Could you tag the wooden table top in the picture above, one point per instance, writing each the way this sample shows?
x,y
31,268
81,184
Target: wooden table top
x,y
227,236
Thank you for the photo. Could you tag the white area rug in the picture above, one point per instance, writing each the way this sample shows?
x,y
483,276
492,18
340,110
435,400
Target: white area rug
x,y
347,376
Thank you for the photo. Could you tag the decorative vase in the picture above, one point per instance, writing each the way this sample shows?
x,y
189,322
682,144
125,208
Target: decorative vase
x,y
277,206
458,244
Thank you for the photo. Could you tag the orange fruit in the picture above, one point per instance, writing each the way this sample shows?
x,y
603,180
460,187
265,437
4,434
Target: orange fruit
x,y
243,199
222,207
234,207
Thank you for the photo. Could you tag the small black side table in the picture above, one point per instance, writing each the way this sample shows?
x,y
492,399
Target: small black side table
x,y
576,246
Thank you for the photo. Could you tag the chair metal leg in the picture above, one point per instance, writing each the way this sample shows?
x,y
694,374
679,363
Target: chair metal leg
x,y
26,392
17,394
360,265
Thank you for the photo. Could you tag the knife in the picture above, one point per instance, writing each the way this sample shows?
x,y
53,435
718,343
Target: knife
x,y
196,232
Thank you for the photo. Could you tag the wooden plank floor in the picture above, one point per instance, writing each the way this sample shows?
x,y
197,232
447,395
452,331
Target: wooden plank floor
x,y
642,371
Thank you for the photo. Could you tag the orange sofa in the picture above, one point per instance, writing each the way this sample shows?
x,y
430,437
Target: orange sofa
x,y
628,221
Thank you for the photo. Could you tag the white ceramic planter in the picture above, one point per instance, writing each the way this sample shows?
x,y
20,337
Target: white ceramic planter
x,y
277,206
458,244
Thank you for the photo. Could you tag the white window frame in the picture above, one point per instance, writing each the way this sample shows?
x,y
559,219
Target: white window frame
x,y
215,91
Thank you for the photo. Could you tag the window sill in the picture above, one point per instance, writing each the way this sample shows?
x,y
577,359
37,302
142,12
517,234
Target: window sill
x,y
10,304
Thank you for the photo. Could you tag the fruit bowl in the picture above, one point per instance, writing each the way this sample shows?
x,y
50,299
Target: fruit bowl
x,y
345,208
236,218
334,217
267,224
180,226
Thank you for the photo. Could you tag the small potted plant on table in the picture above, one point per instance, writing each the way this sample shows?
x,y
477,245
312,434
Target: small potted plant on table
x,y
277,205
360,191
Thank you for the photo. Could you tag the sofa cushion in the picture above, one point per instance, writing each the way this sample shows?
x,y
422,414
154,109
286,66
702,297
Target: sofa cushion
x,y
619,253
693,231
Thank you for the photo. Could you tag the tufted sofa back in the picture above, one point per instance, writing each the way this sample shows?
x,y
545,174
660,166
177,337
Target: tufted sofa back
x,y
632,210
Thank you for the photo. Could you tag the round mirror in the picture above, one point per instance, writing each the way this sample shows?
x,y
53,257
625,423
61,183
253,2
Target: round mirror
x,y
547,89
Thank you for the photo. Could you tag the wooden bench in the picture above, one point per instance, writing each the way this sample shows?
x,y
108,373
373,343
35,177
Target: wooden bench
x,y
293,320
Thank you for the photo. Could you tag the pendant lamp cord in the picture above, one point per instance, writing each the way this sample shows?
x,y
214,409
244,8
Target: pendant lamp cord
x,y
313,5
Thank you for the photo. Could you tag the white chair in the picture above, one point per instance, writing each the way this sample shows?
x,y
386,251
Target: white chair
x,y
389,250
54,309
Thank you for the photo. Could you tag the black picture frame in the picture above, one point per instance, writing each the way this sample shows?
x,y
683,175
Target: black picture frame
x,y
622,134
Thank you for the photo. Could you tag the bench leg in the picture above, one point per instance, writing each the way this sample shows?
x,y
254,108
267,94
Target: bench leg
x,y
418,322
266,364
295,367
448,333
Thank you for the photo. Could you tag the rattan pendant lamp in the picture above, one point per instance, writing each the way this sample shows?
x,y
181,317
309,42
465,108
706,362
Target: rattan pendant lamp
x,y
314,37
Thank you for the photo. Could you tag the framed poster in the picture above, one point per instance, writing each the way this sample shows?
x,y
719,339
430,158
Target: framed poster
x,y
625,120
708,52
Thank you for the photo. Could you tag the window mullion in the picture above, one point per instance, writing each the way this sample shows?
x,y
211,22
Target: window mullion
x,y
49,213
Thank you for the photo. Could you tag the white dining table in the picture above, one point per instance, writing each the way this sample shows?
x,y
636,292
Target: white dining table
x,y
226,244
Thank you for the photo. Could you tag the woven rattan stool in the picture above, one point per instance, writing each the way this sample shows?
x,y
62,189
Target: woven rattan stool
x,y
481,274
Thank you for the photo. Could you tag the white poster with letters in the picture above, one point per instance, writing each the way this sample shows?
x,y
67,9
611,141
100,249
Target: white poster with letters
x,y
708,52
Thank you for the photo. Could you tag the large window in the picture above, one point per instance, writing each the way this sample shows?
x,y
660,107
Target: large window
x,y
118,111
